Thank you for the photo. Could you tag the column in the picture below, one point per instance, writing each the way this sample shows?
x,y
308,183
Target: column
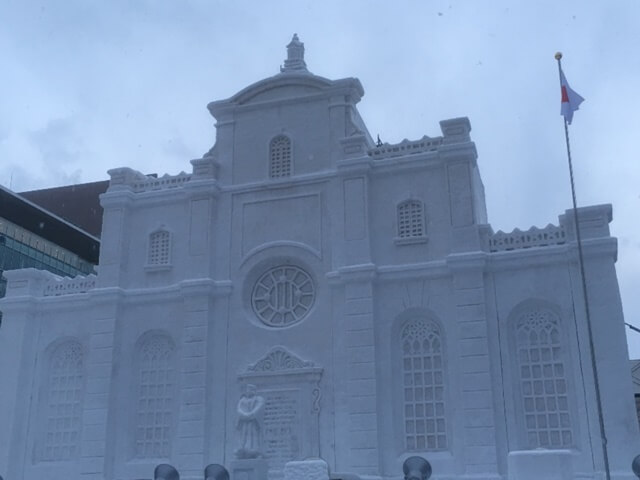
x,y
356,386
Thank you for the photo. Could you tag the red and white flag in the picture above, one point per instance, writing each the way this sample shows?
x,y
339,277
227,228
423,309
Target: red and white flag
x,y
570,100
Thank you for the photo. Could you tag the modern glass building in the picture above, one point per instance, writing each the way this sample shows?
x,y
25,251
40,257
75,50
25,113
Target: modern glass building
x,y
20,248
31,236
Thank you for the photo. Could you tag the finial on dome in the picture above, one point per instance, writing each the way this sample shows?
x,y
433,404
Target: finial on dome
x,y
295,56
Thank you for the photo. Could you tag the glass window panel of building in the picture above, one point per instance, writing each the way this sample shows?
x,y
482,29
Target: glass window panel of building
x,y
20,248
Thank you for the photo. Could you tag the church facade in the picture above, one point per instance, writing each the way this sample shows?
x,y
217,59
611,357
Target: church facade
x,y
305,293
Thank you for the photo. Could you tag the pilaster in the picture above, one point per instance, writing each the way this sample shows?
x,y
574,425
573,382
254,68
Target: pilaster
x,y
116,203
357,447
202,198
189,450
354,224
475,398
18,354
96,436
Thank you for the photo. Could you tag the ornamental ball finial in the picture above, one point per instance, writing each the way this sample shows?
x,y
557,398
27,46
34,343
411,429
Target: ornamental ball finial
x,y
558,55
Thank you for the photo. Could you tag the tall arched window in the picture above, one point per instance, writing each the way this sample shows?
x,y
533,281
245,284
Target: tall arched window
x,y
159,248
63,408
423,384
280,163
411,219
155,397
543,379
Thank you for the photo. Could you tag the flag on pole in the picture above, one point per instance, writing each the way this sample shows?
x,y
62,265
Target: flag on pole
x,y
570,100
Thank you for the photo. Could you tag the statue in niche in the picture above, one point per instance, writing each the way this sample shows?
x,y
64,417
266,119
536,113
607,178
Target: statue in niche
x,y
250,410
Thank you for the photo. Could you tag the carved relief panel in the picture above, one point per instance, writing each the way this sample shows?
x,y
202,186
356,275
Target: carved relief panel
x,y
290,389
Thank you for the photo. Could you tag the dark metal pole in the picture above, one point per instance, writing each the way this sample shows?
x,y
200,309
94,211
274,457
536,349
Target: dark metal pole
x,y
635,329
603,436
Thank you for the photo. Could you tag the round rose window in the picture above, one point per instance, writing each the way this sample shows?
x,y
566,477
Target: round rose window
x,y
283,296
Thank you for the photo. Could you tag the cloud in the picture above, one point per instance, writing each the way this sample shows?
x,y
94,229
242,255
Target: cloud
x,y
59,142
48,156
96,85
176,147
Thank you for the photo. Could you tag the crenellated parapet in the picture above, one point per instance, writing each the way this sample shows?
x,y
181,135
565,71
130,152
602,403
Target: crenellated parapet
x,y
31,282
534,237
406,147
455,135
594,227
162,183
67,286
129,179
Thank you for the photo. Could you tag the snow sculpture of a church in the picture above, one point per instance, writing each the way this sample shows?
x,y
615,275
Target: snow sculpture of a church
x,y
351,294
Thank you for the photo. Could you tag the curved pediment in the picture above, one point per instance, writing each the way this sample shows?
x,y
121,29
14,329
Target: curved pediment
x,y
277,88
284,85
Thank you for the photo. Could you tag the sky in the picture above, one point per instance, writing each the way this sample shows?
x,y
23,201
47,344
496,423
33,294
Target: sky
x,y
86,86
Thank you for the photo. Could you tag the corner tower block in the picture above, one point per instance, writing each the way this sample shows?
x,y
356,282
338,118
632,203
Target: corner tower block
x,y
289,125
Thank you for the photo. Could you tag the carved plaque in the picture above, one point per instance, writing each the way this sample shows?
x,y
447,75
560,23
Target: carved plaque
x,y
282,426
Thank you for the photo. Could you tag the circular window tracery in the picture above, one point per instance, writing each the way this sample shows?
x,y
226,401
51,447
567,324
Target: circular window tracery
x,y
283,296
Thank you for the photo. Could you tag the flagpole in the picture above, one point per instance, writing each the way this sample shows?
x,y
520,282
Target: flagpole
x,y
603,436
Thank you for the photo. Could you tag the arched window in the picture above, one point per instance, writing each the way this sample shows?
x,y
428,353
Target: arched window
x,y
155,397
423,384
543,379
63,408
159,248
280,157
411,219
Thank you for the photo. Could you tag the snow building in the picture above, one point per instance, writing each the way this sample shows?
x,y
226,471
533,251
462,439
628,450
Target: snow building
x,y
306,293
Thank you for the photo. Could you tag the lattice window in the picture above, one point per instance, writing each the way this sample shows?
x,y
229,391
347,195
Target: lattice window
x,y
411,219
280,157
159,248
155,407
543,380
63,420
423,384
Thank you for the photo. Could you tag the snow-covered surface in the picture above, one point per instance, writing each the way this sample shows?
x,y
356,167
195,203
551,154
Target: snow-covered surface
x,y
355,286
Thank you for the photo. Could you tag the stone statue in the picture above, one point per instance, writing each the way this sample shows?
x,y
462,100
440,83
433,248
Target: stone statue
x,y
250,409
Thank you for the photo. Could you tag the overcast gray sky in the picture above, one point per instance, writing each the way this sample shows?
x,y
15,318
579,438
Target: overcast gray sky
x,y
86,86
